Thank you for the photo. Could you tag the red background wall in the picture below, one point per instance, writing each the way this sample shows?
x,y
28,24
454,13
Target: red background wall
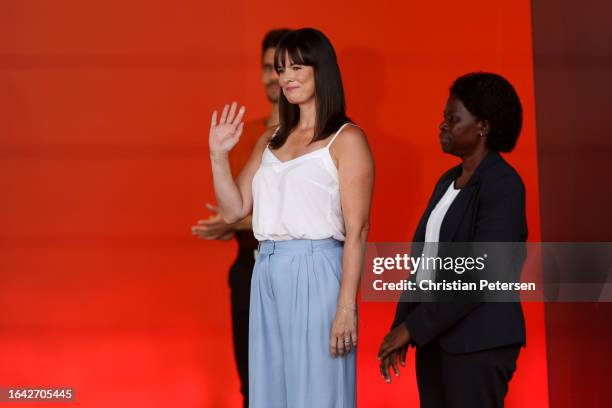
x,y
104,111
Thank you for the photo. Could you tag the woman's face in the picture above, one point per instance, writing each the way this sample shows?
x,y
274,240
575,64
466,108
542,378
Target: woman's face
x,y
296,81
460,131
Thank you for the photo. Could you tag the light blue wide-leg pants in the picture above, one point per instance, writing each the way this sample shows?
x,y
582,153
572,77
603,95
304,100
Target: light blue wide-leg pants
x,y
294,295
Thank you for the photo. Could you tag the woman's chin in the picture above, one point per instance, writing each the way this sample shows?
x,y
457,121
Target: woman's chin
x,y
298,99
294,101
446,147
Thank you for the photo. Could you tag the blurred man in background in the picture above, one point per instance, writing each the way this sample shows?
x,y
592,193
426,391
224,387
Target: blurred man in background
x,y
214,228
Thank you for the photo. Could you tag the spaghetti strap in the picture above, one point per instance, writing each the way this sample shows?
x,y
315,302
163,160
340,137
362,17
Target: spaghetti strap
x,y
336,134
273,136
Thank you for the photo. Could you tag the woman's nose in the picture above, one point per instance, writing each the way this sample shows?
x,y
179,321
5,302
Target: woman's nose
x,y
284,78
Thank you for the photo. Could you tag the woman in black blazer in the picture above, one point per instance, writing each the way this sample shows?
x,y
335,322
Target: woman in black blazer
x,y
466,352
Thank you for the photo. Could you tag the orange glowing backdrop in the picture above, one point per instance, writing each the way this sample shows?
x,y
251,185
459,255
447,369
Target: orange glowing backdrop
x,y
104,112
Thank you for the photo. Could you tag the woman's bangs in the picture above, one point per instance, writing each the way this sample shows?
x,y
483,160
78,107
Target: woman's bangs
x,y
289,47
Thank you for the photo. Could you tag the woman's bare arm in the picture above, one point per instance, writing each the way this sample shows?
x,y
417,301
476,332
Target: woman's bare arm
x,y
356,174
234,197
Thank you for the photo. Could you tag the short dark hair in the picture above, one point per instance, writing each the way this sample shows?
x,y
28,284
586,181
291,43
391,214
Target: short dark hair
x,y
492,98
308,46
272,38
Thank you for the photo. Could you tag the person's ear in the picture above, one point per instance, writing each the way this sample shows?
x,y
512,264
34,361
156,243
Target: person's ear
x,y
483,128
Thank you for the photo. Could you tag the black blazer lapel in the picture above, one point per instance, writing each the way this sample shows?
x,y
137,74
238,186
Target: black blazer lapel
x,y
439,190
456,212
458,208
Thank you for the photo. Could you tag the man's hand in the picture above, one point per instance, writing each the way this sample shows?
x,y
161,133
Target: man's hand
x,y
394,346
214,227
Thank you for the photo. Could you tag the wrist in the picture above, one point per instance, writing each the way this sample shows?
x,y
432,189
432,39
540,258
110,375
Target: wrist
x,y
243,225
347,307
218,155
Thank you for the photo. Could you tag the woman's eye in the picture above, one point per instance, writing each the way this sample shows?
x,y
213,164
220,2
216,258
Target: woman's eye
x,y
297,68
450,118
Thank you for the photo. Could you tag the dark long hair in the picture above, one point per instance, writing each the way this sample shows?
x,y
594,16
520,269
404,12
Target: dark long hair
x,y
308,46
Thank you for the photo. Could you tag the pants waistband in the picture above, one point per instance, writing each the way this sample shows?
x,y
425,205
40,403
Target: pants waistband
x,y
298,246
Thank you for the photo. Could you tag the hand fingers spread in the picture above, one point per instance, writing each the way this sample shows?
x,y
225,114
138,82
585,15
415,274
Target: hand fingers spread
x,y
224,115
239,117
213,121
239,130
232,112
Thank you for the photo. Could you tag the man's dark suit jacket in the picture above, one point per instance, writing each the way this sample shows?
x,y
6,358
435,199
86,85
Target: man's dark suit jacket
x,y
490,208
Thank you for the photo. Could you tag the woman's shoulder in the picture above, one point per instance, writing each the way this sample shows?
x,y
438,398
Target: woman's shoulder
x,y
350,128
502,181
350,136
350,144
503,172
267,135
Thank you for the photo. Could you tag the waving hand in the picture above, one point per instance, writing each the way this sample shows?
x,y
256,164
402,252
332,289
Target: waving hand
x,y
225,134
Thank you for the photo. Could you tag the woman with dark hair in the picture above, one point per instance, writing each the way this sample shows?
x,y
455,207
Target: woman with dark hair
x,y
309,186
466,351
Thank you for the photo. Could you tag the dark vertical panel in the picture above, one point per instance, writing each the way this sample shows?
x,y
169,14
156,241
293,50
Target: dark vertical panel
x,y
572,44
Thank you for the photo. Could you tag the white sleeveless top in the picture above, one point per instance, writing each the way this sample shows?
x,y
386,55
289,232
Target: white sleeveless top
x,y
298,198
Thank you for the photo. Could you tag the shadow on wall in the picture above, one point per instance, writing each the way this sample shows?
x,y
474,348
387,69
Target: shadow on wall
x,y
398,162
